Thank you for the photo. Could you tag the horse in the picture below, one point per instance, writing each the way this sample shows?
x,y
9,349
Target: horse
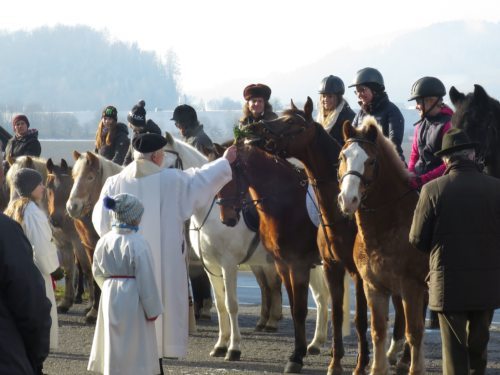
x,y
58,185
89,174
374,187
478,115
221,249
296,134
278,190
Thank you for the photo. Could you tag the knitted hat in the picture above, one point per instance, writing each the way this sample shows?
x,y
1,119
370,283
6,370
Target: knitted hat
x,y
26,180
257,90
137,115
110,111
148,142
127,209
20,118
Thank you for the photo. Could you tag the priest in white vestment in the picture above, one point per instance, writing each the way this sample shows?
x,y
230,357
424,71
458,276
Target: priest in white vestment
x,y
169,197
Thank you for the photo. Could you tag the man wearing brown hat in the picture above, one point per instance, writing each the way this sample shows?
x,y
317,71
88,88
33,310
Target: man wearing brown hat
x,y
169,197
257,106
457,221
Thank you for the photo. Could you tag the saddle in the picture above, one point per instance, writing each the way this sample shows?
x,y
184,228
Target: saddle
x,y
250,216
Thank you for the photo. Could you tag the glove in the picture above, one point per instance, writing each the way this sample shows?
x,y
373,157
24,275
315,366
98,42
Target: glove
x,y
58,274
415,182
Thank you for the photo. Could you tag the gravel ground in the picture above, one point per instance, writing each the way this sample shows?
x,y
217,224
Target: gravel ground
x,y
262,353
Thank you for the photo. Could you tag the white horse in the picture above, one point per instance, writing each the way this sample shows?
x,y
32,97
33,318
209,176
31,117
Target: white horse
x,y
222,249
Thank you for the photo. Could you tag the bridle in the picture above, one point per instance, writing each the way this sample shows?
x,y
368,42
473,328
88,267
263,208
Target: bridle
x,y
365,181
178,160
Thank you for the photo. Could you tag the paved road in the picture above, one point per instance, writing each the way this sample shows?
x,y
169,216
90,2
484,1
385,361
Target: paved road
x,y
262,353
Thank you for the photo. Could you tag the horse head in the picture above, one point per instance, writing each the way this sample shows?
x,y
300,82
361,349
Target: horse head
x,y
181,155
58,187
478,115
30,162
286,135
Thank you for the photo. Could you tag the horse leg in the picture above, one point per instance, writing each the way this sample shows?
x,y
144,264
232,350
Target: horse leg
x,y
264,297
398,333
319,290
230,277
80,282
413,303
220,348
361,324
68,264
379,307
273,282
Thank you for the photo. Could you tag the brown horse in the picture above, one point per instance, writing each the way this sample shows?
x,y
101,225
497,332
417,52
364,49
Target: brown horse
x,y
278,191
296,134
58,186
374,186
89,174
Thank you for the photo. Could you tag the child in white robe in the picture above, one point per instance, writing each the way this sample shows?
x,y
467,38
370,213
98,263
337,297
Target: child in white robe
x,y
24,209
125,337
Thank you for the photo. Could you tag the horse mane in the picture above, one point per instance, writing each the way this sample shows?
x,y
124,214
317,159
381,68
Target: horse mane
x,y
109,168
386,147
37,163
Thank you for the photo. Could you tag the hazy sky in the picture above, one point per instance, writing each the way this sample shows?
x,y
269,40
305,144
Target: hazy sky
x,y
221,40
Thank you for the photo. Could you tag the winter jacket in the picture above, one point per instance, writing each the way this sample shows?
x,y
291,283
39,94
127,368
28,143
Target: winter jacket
x,y
456,220
346,114
27,145
197,138
119,146
151,127
388,116
24,308
427,139
268,116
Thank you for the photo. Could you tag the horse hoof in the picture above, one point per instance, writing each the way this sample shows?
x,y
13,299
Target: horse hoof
x,y
259,327
337,370
402,368
270,329
218,352
293,368
313,350
233,355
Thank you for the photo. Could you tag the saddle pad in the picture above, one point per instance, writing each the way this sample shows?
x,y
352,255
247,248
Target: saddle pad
x,y
311,205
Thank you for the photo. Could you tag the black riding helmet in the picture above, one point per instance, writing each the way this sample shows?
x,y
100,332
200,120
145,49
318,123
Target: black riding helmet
x,y
186,115
369,76
332,85
427,87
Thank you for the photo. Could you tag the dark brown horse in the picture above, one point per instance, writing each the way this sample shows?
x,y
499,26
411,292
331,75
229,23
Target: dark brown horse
x,y
374,187
58,186
296,134
278,192
478,115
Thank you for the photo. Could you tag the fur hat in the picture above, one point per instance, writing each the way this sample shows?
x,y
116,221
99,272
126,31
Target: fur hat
x,y
127,209
148,142
455,140
137,115
26,180
110,111
258,90
20,118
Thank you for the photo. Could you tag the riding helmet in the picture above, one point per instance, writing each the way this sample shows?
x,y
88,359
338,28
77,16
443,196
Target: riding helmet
x,y
426,87
370,76
332,85
186,115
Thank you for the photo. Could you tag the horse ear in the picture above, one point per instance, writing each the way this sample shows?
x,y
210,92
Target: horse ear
x,y
91,158
169,138
308,108
29,162
480,95
76,155
50,165
64,165
372,132
456,96
292,105
347,130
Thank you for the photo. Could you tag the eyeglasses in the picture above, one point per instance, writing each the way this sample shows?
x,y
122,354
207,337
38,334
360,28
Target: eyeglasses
x,y
360,90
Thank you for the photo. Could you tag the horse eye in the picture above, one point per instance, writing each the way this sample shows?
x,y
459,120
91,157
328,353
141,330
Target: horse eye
x,y
371,162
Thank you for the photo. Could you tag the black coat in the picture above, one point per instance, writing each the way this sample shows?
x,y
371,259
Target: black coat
x,y
151,127
457,221
27,145
118,148
24,308
199,139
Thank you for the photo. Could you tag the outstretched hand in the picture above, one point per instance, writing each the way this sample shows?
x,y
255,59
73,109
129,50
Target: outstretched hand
x,y
230,154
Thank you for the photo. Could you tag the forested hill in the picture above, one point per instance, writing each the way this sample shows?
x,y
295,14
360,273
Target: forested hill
x,y
72,68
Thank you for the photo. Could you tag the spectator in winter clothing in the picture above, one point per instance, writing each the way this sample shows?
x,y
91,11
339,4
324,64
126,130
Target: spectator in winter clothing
x,y
137,122
111,139
25,140
24,308
373,100
456,221
257,106
333,108
186,120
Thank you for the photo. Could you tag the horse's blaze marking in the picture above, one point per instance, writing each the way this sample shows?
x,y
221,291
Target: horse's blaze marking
x,y
354,158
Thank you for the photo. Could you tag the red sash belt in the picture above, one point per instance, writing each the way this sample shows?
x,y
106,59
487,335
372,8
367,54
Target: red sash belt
x,y
122,277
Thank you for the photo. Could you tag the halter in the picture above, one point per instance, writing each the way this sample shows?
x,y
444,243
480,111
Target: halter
x,y
366,182
284,134
178,160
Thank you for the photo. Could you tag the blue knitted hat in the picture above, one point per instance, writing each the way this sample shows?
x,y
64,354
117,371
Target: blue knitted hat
x,y
126,208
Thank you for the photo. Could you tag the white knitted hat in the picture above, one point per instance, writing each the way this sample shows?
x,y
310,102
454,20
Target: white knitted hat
x,y
126,208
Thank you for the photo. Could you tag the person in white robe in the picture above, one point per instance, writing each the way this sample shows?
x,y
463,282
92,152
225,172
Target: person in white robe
x,y
125,338
169,197
29,187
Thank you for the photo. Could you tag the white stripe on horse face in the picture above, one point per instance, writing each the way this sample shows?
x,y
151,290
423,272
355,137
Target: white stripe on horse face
x,y
350,195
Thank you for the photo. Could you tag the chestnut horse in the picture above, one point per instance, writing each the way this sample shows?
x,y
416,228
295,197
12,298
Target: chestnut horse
x,y
478,115
58,185
89,174
278,191
374,187
296,134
